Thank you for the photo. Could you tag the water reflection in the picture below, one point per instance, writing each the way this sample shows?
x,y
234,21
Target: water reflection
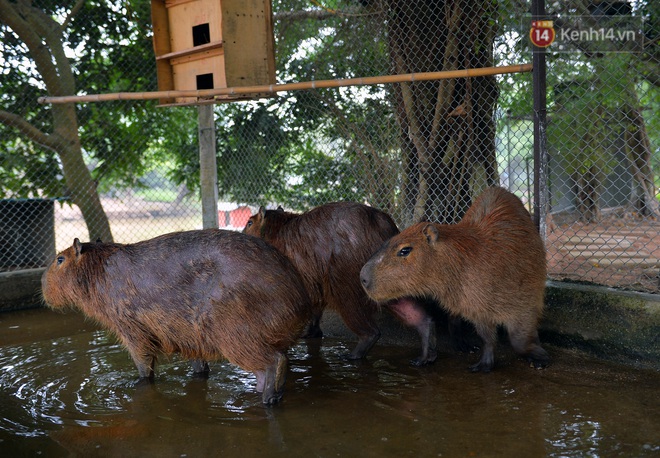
x,y
67,388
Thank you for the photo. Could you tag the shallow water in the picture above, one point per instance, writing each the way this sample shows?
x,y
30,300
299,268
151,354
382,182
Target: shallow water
x,y
66,388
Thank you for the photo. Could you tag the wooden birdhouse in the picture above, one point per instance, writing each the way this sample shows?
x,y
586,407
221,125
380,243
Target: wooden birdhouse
x,y
212,44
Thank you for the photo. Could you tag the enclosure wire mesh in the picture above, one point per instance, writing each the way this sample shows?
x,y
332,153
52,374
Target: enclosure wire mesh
x,y
419,151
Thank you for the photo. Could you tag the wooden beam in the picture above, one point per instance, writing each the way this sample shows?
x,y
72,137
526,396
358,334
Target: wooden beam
x,y
271,88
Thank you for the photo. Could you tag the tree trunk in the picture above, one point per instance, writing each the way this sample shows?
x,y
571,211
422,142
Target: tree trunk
x,y
78,179
587,188
638,149
43,37
448,129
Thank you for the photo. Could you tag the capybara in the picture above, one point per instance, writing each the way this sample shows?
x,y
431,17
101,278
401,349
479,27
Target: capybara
x,y
329,245
206,294
489,268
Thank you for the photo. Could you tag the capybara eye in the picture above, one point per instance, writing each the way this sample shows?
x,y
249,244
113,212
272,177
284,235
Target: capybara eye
x,y
249,223
60,260
405,251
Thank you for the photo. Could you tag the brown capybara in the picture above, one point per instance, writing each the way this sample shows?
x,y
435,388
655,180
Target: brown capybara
x,y
490,269
206,294
329,245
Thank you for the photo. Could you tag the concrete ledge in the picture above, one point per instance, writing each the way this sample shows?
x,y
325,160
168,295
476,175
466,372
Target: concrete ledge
x,y
618,325
20,289
610,324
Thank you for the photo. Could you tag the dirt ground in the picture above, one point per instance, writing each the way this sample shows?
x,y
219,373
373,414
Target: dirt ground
x,y
621,251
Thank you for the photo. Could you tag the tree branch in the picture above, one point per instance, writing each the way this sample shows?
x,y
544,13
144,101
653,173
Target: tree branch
x,y
16,16
72,14
29,131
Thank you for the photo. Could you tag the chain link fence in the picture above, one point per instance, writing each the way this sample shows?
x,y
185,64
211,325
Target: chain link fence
x,y
129,171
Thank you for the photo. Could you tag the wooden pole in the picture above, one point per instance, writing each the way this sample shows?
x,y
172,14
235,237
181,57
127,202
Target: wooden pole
x,y
208,172
273,88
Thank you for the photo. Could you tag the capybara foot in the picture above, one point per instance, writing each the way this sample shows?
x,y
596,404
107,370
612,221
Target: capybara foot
x,y
480,367
424,360
363,346
200,368
486,362
143,381
529,347
539,359
271,381
538,364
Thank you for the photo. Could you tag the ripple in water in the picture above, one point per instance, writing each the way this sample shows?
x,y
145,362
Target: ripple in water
x,y
65,381
76,394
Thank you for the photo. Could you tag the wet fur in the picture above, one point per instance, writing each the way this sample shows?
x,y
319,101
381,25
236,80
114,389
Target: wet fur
x,y
329,245
207,295
490,269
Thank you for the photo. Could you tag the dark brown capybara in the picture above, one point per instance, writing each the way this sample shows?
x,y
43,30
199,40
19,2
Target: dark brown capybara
x,y
489,268
206,294
329,245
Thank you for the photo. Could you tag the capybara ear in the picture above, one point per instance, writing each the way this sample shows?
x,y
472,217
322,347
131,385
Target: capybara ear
x,y
431,233
280,209
77,246
262,212
99,240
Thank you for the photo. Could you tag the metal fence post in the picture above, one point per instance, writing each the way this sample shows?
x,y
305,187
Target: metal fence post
x,y
540,112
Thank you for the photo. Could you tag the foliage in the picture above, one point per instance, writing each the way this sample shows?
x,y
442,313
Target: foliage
x,y
272,141
113,52
277,141
589,94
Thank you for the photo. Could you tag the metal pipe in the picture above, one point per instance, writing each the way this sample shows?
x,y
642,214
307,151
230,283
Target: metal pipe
x,y
540,116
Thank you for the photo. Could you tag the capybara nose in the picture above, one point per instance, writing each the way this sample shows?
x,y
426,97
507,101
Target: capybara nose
x,y
365,278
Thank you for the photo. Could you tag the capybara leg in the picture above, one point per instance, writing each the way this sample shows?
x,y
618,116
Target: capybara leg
x,y
313,330
489,335
365,342
261,380
363,324
365,328
145,364
528,344
271,381
200,367
426,332
413,314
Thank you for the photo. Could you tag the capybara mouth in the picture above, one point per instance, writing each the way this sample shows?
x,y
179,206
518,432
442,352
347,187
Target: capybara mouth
x,y
376,293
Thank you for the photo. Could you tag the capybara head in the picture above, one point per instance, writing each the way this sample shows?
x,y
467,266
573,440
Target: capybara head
x,y
72,273
267,223
255,222
401,267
